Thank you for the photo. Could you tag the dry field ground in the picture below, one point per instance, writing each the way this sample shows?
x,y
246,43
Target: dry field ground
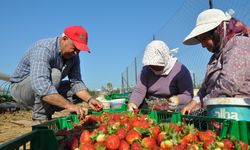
x,y
15,124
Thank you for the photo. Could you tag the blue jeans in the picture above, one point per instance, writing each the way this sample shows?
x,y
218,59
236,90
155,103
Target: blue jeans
x,y
24,94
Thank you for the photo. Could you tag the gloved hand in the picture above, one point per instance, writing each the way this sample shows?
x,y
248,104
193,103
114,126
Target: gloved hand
x,y
132,106
173,102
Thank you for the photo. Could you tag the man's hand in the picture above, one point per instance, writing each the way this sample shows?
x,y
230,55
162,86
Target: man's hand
x,y
95,104
80,110
188,108
132,106
173,102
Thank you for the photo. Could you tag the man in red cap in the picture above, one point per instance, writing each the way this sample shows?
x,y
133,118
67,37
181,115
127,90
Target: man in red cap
x,y
37,82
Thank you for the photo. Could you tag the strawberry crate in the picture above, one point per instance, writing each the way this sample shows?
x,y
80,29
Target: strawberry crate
x,y
120,109
34,140
67,122
241,130
223,127
58,123
200,122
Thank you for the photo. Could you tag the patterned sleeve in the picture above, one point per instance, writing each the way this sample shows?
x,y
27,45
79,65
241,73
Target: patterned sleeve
x,y
40,71
235,70
75,76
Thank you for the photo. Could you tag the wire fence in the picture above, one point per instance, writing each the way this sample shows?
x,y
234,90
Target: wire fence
x,y
195,58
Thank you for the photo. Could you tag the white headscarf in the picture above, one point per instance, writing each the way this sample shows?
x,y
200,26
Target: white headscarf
x,y
157,53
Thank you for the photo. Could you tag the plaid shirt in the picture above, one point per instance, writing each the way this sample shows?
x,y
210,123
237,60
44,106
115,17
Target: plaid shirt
x,y
38,62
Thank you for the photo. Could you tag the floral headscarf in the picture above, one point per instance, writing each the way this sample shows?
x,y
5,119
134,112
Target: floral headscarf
x,y
227,30
157,53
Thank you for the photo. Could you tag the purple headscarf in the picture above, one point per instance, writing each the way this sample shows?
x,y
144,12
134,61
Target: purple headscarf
x,y
233,28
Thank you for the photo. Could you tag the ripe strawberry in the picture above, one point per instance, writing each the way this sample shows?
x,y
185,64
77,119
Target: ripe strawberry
x,y
137,111
104,117
207,135
156,147
110,122
116,117
136,123
155,131
94,118
160,137
85,137
121,133
175,126
228,144
189,138
112,142
124,119
133,119
87,146
208,143
148,142
244,146
103,128
136,146
124,145
180,147
144,124
132,135
193,147
127,126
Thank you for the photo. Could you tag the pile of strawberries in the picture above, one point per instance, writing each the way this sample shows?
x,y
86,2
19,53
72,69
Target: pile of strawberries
x,y
134,131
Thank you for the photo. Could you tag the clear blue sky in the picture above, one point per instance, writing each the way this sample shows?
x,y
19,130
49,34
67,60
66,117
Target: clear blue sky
x,y
118,31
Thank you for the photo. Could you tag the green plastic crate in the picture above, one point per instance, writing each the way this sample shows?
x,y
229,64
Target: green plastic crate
x,y
241,130
119,109
224,127
58,123
34,140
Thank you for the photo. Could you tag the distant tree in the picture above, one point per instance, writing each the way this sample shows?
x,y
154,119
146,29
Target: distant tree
x,y
109,87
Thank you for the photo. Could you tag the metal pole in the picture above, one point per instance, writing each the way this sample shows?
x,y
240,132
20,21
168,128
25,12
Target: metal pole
x,y
4,77
122,83
210,4
135,71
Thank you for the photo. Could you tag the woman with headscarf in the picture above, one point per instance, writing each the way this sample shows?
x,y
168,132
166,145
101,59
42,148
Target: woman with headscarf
x,y
164,83
228,71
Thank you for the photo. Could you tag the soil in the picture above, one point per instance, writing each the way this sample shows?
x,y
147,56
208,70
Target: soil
x,y
14,124
17,123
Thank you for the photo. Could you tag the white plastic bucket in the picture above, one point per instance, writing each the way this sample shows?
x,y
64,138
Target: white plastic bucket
x,y
116,103
106,104
229,108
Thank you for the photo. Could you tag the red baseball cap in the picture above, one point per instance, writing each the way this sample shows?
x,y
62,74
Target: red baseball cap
x,y
79,36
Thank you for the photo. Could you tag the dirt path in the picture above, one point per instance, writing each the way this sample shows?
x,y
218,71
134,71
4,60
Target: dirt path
x,y
15,124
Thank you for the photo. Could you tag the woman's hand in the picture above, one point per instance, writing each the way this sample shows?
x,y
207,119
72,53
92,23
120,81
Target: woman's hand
x,y
190,107
173,102
132,106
